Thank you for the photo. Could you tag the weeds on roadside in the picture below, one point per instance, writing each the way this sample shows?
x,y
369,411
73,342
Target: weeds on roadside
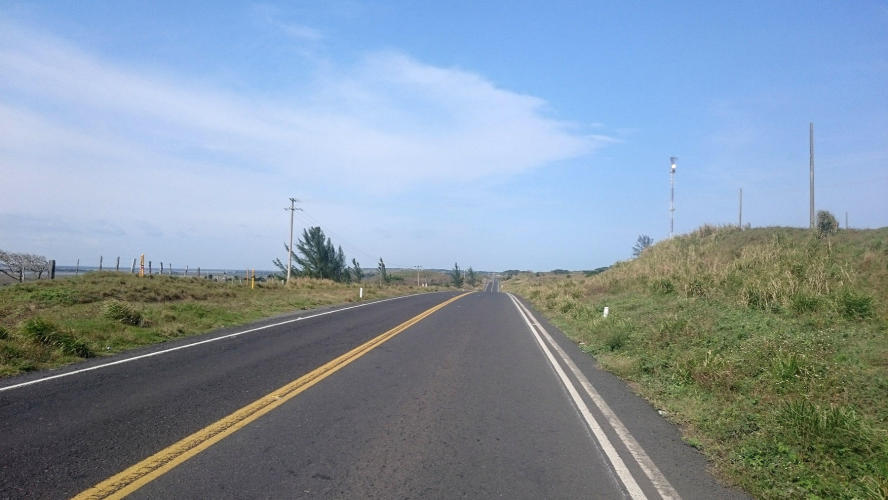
x,y
770,346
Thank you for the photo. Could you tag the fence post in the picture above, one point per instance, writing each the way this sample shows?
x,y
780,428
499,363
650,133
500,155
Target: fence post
x,y
186,269
52,269
171,268
22,274
161,268
100,263
149,268
117,266
133,267
198,271
77,267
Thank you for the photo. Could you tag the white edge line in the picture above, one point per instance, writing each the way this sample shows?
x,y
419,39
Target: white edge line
x,y
617,463
214,339
664,488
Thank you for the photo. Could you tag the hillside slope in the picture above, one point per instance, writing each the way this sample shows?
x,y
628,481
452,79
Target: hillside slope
x,y
769,346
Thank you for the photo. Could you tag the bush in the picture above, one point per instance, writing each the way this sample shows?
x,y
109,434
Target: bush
x,y
826,223
4,333
855,305
664,286
122,312
45,333
802,303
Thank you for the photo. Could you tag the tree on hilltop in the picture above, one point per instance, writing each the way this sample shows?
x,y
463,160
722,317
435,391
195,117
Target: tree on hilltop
x,y
643,242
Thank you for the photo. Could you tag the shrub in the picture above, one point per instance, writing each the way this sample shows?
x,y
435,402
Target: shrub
x,y
810,426
122,312
664,286
45,333
855,305
826,223
4,333
802,303
616,340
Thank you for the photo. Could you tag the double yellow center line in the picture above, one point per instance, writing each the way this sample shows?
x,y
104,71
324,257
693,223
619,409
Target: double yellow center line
x,y
142,473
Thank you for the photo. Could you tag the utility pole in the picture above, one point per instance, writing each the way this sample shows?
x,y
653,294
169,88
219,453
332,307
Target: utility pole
x,y
292,210
846,220
740,217
811,143
417,275
672,160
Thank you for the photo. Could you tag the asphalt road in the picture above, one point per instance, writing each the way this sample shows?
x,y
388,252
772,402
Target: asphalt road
x,y
463,403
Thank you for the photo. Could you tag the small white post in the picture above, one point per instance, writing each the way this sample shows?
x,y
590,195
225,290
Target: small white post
x,y
606,311
361,293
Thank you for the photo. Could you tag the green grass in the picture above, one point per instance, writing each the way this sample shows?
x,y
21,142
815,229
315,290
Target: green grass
x,y
768,346
45,324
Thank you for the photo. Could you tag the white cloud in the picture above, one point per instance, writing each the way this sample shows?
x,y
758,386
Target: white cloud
x,y
72,122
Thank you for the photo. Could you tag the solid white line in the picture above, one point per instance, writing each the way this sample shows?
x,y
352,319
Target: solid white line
x,y
664,488
616,462
165,351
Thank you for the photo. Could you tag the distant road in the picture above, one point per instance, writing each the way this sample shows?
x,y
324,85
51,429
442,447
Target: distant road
x,y
436,395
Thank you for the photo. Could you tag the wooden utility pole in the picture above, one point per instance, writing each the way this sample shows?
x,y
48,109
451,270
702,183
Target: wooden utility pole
x,y
292,210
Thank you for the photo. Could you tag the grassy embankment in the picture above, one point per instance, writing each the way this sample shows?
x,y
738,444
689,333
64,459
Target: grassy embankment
x,y
768,346
45,324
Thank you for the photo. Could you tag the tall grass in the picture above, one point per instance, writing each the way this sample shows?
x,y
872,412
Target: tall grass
x,y
769,346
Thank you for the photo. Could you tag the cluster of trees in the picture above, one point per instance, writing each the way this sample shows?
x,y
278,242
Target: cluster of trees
x,y
316,257
458,277
15,265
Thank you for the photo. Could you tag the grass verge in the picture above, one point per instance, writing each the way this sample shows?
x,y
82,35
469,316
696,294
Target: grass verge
x,y
46,324
768,346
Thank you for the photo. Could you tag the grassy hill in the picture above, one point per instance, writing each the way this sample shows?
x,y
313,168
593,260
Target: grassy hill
x,y
769,346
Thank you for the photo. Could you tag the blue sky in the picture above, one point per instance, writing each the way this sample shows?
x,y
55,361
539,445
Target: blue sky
x,y
499,135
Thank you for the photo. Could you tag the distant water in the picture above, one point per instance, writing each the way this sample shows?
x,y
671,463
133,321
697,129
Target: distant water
x,y
176,271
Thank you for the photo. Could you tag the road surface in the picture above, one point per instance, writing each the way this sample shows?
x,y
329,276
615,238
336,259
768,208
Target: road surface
x,y
438,395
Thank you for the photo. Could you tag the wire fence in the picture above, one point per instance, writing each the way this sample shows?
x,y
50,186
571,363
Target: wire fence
x,y
137,266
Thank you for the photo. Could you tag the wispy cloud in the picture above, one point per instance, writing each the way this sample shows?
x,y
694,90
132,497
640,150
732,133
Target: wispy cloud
x,y
390,114
72,120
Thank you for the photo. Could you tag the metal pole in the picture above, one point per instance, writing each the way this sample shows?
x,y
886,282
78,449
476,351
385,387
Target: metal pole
x,y
740,218
672,160
811,143
846,220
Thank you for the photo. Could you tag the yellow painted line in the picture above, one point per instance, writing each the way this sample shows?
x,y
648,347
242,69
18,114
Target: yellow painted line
x,y
142,473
